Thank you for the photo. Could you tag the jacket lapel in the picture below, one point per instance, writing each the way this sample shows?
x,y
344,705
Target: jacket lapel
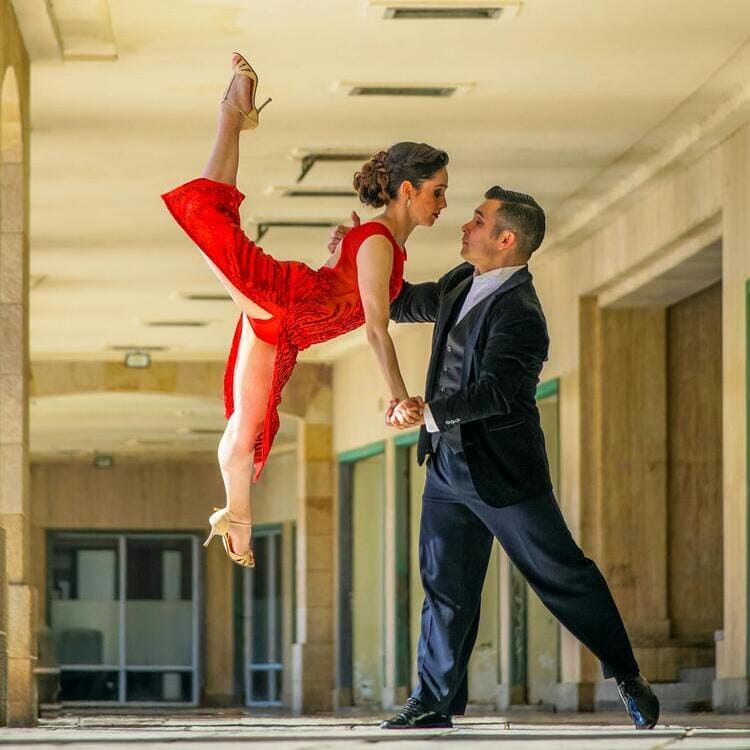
x,y
449,302
518,278
447,305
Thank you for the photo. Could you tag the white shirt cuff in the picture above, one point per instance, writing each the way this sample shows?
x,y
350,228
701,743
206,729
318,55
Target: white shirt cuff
x,y
429,420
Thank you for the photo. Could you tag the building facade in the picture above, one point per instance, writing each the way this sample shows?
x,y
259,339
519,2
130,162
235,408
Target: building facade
x,y
108,598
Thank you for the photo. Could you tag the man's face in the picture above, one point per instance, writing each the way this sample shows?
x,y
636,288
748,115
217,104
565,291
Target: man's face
x,y
479,246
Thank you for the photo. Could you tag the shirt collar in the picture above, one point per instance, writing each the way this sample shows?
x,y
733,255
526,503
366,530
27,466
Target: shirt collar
x,y
497,273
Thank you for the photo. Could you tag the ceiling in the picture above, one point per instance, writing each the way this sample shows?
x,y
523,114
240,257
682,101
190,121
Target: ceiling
x,y
554,96
552,100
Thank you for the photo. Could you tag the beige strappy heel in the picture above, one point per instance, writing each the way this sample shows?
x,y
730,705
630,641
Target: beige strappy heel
x,y
220,522
243,68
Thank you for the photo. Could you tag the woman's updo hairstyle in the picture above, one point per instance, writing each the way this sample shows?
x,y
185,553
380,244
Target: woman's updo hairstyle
x,y
378,181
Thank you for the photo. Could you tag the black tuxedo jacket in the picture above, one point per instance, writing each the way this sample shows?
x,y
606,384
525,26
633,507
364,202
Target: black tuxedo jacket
x,y
495,407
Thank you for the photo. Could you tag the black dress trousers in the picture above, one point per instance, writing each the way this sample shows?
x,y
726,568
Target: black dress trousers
x,y
455,541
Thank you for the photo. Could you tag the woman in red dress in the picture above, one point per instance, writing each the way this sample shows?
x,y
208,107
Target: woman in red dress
x,y
286,305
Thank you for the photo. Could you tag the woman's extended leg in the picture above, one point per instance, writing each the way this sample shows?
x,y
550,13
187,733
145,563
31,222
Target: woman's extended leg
x,y
252,383
222,167
225,155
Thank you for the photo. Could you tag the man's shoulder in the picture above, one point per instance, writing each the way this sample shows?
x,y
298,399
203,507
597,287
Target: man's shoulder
x,y
455,276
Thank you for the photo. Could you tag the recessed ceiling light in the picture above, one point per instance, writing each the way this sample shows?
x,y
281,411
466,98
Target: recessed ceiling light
x,y
265,224
137,359
397,90
206,297
442,14
446,10
175,323
432,89
310,157
103,461
311,192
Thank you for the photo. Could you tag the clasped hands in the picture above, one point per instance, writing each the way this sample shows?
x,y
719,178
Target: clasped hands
x,y
406,413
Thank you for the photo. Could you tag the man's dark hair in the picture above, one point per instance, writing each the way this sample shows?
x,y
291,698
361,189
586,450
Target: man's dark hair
x,y
521,214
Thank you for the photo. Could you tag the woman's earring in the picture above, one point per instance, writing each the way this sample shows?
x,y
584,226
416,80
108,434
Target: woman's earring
x,y
408,201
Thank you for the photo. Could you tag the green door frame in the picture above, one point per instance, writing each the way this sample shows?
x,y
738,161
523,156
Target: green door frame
x,y
344,681
403,657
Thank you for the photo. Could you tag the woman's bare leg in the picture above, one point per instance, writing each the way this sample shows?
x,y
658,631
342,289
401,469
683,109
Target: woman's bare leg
x,y
252,383
255,358
222,167
225,155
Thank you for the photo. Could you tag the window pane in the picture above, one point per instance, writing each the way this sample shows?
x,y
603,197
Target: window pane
x,y
84,607
88,686
259,612
159,686
276,685
159,607
259,686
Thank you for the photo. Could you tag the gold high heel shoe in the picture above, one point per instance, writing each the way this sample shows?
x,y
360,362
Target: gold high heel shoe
x,y
220,523
243,68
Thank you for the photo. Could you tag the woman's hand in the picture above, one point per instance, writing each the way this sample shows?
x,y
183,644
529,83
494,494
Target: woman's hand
x,y
338,233
408,413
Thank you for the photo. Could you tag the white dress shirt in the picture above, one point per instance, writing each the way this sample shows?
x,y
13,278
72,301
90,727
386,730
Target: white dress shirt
x,y
482,285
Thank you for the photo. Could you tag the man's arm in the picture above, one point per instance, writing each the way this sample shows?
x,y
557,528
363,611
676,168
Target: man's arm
x,y
419,303
416,303
513,349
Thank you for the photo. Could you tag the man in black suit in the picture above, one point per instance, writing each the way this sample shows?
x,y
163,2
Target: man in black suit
x,y
487,474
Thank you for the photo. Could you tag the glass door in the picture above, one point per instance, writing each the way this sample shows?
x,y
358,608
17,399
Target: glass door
x,y
123,611
368,508
263,621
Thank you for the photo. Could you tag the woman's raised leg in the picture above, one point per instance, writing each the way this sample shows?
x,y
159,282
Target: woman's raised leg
x,y
225,155
222,167
252,383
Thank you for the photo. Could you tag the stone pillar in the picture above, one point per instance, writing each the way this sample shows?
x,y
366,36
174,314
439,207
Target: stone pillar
x,y
222,653
3,634
14,422
631,536
732,685
312,652
621,513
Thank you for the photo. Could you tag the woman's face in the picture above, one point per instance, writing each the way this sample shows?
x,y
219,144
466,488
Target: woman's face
x,y
429,199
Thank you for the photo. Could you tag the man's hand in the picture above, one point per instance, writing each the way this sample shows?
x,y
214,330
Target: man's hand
x,y
338,233
408,413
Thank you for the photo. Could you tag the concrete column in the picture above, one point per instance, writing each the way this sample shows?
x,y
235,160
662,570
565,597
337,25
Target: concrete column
x,y
312,653
14,428
732,686
620,515
3,635
222,653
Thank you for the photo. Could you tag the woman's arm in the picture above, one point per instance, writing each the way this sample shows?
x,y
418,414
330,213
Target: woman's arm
x,y
374,266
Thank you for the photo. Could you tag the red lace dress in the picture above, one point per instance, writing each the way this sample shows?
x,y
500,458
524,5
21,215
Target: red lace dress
x,y
309,306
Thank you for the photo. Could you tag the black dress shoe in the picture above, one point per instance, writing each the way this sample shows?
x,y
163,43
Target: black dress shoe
x,y
640,700
415,715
